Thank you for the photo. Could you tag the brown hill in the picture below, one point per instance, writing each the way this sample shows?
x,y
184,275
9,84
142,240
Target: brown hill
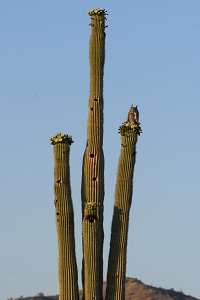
x,y
136,290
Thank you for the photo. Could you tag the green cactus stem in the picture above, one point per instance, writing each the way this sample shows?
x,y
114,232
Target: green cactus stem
x,y
92,189
123,198
64,214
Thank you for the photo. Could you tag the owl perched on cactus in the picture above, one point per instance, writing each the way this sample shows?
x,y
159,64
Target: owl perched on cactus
x,y
133,115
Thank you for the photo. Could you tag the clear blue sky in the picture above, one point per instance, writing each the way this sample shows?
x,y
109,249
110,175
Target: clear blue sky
x,y
152,60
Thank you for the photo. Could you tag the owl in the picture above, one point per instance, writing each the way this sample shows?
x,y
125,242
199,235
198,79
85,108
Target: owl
x,y
133,115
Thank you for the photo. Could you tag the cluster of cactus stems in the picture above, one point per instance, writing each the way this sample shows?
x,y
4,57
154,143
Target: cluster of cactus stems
x,y
92,192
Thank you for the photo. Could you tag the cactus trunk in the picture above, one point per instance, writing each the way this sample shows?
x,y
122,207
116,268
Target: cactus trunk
x,y
92,190
116,274
67,266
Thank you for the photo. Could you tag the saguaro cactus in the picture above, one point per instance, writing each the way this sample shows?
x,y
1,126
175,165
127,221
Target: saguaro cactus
x,y
67,267
92,190
123,198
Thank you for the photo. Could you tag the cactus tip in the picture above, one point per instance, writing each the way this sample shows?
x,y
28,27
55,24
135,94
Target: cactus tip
x,y
127,127
97,11
61,138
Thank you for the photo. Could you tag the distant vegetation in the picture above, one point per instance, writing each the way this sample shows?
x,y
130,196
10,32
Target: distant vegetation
x,y
135,290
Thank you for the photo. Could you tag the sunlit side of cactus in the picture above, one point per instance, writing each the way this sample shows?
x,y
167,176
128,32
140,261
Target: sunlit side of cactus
x,y
123,197
92,190
64,214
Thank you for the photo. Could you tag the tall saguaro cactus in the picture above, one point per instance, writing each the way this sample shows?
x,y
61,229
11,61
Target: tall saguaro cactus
x,y
123,198
92,190
67,267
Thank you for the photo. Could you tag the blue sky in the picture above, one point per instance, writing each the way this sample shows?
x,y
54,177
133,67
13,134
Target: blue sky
x,y
152,60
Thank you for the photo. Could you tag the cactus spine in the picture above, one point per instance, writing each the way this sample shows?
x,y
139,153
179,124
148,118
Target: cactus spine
x,y
92,190
123,198
67,267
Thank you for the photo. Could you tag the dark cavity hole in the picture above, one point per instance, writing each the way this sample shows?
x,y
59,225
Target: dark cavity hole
x,y
95,99
94,178
92,155
58,181
91,220
91,108
57,214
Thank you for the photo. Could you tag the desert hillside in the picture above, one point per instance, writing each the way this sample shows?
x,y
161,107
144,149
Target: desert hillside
x,y
135,290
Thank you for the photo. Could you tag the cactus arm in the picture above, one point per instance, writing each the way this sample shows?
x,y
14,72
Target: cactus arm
x,y
64,214
92,189
123,198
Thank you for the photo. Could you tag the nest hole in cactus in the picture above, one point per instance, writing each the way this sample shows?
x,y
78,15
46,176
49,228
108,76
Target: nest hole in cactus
x,y
95,99
58,181
94,178
92,155
92,219
91,108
